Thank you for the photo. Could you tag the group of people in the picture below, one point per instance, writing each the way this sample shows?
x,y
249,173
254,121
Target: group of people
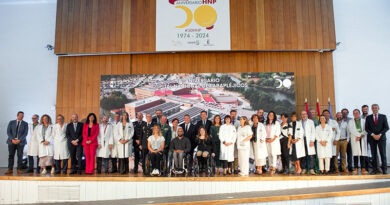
x,y
286,145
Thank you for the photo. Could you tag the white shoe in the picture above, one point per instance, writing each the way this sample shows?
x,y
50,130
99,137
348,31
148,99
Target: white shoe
x,y
44,172
157,172
52,171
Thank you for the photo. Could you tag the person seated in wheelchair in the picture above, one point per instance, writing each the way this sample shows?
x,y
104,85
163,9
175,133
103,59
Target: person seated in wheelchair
x,y
156,147
205,144
179,147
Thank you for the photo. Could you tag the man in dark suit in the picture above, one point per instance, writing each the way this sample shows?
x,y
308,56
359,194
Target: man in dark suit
x,y
74,135
139,127
190,133
376,128
17,131
203,122
157,120
147,131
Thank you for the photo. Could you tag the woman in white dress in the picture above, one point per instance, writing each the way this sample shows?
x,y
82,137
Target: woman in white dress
x,y
324,136
272,128
244,135
296,143
125,131
227,136
356,128
259,145
61,152
44,135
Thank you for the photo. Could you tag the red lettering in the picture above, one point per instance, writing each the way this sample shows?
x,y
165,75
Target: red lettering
x,y
209,1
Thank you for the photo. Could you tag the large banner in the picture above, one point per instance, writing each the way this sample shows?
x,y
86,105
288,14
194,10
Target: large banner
x,y
183,25
179,94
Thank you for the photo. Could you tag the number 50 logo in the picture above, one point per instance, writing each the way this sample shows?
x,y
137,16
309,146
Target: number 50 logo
x,y
204,16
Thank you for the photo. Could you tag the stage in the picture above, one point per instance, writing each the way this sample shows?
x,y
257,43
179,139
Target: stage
x,y
35,188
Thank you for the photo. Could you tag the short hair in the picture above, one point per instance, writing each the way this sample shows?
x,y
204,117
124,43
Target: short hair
x,y
203,111
36,115
322,115
187,115
159,110
175,119
226,117
364,106
59,115
356,110
117,113
325,110
375,105
345,110
253,116
48,119
20,112
293,114
284,115
233,111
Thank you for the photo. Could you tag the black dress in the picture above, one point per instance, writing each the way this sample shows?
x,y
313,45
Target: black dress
x,y
294,149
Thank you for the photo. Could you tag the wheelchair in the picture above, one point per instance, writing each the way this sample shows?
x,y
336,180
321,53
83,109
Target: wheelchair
x,y
162,168
210,165
171,165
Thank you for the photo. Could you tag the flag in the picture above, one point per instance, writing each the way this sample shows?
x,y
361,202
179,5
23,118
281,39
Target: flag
x,y
318,110
330,109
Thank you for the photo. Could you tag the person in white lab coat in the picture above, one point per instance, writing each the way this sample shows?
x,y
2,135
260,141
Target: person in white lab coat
x,y
45,136
335,135
236,123
61,151
123,140
324,137
33,145
259,145
272,127
105,141
228,137
356,129
244,135
309,137
297,141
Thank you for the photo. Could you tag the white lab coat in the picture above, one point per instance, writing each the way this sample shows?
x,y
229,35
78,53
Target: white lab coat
x,y
33,143
61,150
124,150
45,150
261,146
310,133
227,133
114,150
325,134
275,145
300,145
358,148
105,138
335,134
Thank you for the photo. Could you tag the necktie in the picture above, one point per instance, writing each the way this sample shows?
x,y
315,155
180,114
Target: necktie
x,y
17,129
75,126
186,127
376,119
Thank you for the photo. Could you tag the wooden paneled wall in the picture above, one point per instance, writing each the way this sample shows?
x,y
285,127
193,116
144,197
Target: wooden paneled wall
x,y
79,77
112,26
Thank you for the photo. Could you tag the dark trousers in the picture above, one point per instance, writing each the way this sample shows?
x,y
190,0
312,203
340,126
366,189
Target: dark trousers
x,y
31,163
381,145
144,152
114,164
285,153
332,168
307,162
12,149
349,157
124,165
64,165
155,158
102,161
227,164
363,163
76,156
137,157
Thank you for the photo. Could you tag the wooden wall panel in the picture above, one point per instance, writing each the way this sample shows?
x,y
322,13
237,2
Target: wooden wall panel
x,y
79,77
115,26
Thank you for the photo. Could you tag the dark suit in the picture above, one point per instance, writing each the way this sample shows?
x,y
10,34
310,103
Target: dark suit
x,y
76,152
156,121
20,133
138,135
381,127
207,126
191,135
147,132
